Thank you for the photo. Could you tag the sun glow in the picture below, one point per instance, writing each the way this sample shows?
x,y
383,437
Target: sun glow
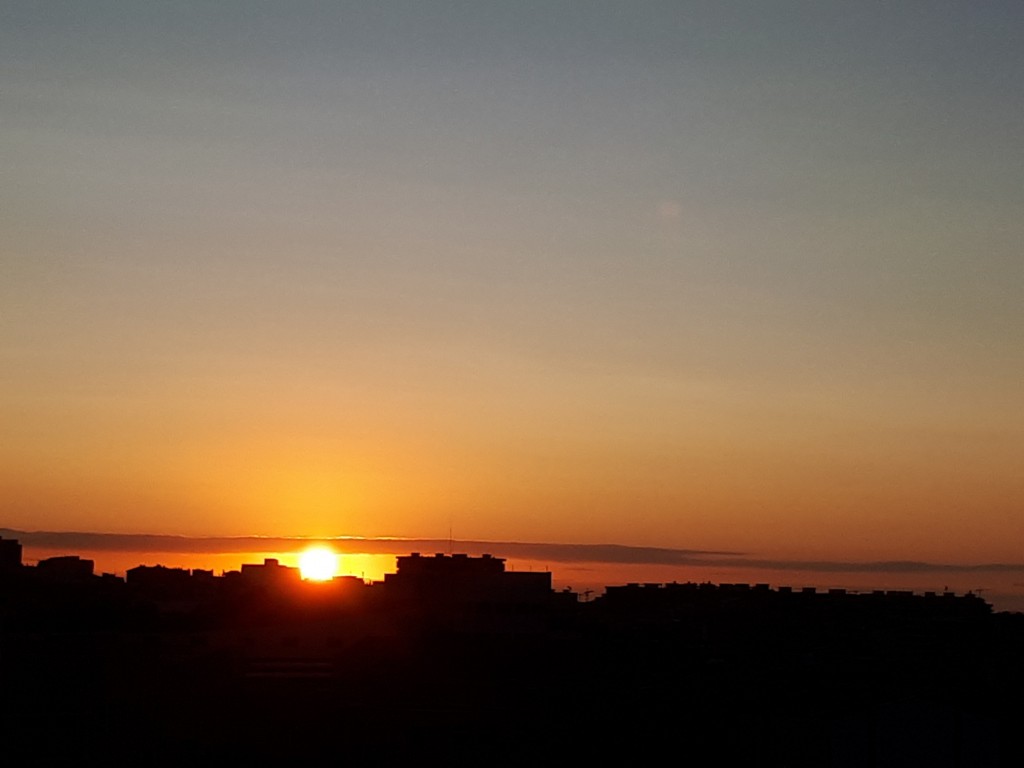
x,y
318,564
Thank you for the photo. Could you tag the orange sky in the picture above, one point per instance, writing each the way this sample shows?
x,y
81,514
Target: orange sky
x,y
743,279
656,466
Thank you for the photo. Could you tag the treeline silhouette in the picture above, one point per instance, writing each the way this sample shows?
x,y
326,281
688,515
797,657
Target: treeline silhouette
x,y
455,659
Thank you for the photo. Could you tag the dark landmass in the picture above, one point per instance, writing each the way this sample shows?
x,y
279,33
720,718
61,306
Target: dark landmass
x,y
453,659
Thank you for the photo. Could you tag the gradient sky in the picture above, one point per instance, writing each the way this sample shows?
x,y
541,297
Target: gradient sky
x,y
718,275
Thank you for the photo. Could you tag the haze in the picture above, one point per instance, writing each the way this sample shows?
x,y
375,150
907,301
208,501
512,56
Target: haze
x,y
721,276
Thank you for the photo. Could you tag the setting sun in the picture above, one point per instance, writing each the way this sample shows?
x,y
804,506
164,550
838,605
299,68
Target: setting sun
x,y
318,564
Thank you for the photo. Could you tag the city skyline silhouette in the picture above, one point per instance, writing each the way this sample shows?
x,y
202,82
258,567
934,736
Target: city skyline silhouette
x,y
458,649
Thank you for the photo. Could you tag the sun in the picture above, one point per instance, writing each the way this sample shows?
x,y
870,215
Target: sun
x,y
318,564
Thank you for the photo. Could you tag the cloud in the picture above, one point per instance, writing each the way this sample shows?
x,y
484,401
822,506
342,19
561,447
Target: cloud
x,y
566,553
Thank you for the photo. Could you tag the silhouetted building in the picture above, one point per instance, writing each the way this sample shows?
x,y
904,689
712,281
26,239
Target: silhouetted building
x,y
270,574
465,580
10,554
674,600
158,580
65,568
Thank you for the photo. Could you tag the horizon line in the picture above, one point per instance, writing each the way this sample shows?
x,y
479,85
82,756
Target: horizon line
x,y
620,554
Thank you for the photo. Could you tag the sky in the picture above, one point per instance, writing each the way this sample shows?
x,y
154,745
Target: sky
x,y
721,276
